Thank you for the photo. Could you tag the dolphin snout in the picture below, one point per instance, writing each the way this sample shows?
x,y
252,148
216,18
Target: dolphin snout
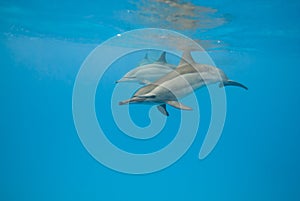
x,y
124,102
121,80
132,100
126,79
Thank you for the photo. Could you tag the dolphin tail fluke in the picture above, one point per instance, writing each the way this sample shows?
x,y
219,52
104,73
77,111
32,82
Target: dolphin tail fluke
x,y
162,108
232,83
178,105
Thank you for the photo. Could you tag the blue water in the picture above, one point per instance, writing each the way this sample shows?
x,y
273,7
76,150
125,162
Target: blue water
x,y
42,46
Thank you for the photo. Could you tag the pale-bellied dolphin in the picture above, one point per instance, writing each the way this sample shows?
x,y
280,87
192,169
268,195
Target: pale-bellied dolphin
x,y
150,72
186,78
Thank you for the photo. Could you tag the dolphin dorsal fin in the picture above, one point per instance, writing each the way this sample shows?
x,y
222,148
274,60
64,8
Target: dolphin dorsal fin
x,y
186,58
145,60
162,58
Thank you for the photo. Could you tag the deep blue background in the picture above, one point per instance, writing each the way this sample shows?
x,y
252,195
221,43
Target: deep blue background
x,y
42,45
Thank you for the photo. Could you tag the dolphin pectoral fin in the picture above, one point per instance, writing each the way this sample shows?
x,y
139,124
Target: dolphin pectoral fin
x,y
178,105
232,83
162,109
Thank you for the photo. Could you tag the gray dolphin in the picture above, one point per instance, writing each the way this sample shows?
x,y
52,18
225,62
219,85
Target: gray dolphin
x,y
186,78
148,72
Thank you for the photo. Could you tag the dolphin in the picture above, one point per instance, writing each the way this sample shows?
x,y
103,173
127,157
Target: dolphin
x,y
148,72
186,78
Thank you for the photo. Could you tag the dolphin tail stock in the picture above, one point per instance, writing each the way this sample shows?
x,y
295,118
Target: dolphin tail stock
x,y
232,83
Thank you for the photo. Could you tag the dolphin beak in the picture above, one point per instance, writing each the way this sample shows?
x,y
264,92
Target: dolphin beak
x,y
132,100
126,79
118,81
124,102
